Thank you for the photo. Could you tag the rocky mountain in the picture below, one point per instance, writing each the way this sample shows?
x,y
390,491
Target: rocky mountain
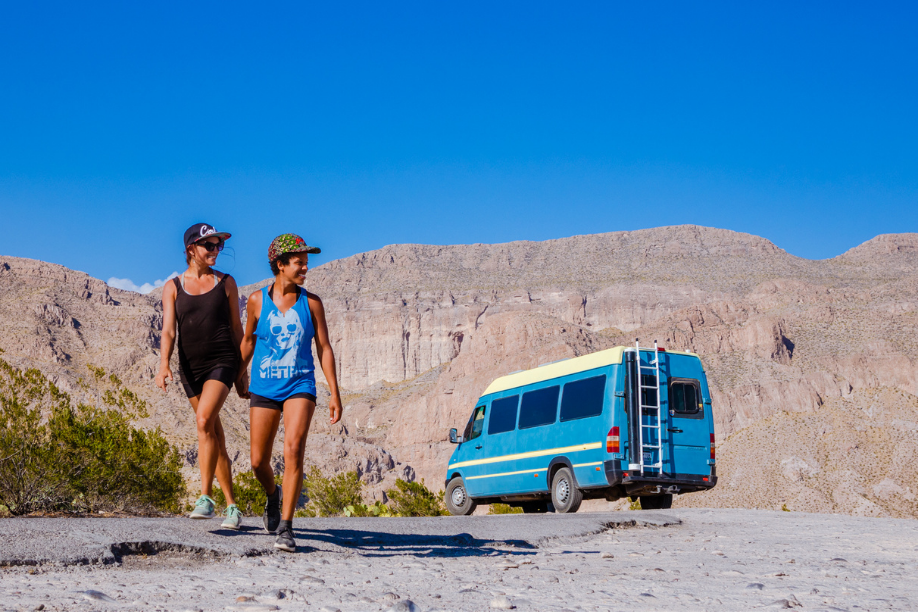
x,y
812,363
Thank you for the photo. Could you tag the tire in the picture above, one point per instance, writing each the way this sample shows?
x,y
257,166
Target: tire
x,y
565,496
457,498
656,502
536,507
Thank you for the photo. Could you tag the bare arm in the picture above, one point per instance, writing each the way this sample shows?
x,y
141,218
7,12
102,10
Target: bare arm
x,y
247,345
167,338
232,294
326,356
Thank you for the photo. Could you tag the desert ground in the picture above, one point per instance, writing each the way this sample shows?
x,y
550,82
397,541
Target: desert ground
x,y
686,559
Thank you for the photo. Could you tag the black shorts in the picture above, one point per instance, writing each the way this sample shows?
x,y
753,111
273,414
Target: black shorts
x,y
194,386
258,401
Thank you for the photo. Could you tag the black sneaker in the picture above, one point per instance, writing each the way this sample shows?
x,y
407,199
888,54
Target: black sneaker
x,y
272,510
285,539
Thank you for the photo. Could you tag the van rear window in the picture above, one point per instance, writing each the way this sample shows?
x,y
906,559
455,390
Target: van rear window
x,y
685,397
539,407
583,398
503,415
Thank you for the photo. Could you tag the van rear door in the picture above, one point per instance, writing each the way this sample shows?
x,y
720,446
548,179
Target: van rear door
x,y
688,428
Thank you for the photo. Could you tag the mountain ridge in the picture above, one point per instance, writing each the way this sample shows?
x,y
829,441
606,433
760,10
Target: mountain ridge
x,y
420,330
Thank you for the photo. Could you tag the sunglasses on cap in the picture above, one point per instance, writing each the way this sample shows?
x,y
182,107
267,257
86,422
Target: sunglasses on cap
x,y
210,247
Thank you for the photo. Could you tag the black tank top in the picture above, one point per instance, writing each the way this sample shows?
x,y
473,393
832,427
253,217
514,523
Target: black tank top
x,y
205,339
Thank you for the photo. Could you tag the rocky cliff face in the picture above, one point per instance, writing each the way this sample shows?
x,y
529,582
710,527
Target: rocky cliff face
x,y
419,331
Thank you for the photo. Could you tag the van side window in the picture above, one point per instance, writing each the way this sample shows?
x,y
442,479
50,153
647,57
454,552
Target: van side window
x,y
685,398
476,424
539,407
503,415
583,398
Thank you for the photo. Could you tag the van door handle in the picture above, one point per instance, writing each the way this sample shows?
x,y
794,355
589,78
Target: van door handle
x,y
478,447
674,429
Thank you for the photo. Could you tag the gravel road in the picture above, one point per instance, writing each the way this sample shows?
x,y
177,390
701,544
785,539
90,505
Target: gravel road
x,y
651,560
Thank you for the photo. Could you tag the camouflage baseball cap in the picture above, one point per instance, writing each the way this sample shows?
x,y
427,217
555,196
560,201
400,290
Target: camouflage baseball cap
x,y
289,243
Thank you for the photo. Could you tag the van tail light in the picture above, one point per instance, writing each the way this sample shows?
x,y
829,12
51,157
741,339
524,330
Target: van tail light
x,y
712,447
612,441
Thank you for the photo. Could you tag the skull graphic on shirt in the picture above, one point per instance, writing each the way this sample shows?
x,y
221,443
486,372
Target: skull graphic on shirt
x,y
285,332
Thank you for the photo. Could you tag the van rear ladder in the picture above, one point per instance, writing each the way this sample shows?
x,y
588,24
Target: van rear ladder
x,y
648,412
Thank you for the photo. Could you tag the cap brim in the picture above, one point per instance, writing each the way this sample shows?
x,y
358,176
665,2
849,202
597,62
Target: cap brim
x,y
306,249
220,235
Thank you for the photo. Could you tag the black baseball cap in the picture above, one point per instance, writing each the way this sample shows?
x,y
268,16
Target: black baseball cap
x,y
199,231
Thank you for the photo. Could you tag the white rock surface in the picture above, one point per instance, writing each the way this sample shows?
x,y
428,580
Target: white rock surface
x,y
771,560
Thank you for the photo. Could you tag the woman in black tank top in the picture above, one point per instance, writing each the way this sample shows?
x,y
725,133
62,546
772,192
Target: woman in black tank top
x,y
204,305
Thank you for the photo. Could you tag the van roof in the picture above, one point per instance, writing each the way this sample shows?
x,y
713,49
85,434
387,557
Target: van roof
x,y
564,368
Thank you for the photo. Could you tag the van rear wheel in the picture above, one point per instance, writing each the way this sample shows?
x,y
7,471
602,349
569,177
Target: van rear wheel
x,y
457,498
565,496
656,502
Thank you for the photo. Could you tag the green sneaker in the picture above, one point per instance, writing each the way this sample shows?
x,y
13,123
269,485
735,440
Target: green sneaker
x,y
203,508
233,518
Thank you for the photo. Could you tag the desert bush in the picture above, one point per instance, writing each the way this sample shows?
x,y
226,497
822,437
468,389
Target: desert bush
x,y
340,495
249,494
376,509
54,456
29,477
415,499
504,509
330,496
634,503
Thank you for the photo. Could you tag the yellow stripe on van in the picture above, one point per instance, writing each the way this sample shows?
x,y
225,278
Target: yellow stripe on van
x,y
612,356
532,471
538,453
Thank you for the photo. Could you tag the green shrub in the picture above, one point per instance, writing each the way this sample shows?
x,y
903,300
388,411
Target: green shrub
x,y
82,458
635,503
331,496
504,509
249,494
415,499
29,476
377,509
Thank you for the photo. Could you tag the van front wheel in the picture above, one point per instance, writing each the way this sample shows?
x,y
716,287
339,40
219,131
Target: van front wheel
x,y
565,496
457,498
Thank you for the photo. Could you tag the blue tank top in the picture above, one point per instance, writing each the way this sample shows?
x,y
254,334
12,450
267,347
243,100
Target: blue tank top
x,y
282,365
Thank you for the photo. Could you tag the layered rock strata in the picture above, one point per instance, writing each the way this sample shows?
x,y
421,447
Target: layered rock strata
x,y
419,331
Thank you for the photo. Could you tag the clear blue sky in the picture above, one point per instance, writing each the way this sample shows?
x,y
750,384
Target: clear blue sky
x,y
361,125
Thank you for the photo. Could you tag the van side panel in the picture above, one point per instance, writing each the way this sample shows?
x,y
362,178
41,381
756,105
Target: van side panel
x,y
592,430
516,462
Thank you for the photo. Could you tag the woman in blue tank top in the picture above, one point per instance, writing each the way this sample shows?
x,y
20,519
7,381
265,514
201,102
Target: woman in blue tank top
x,y
283,320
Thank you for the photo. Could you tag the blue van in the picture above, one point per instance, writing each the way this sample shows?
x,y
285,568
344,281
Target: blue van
x,y
624,422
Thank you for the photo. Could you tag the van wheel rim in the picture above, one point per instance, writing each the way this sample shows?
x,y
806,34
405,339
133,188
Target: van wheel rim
x,y
458,496
563,490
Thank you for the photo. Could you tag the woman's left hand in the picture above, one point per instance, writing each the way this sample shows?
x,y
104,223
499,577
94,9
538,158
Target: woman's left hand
x,y
242,385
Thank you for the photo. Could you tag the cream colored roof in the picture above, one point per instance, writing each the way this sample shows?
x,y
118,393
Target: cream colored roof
x,y
563,368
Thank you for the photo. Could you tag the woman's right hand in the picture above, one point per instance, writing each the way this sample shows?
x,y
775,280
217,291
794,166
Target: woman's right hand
x,y
164,373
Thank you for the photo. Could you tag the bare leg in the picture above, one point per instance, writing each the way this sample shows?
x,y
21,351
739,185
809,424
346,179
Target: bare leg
x,y
212,456
224,466
263,424
297,418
